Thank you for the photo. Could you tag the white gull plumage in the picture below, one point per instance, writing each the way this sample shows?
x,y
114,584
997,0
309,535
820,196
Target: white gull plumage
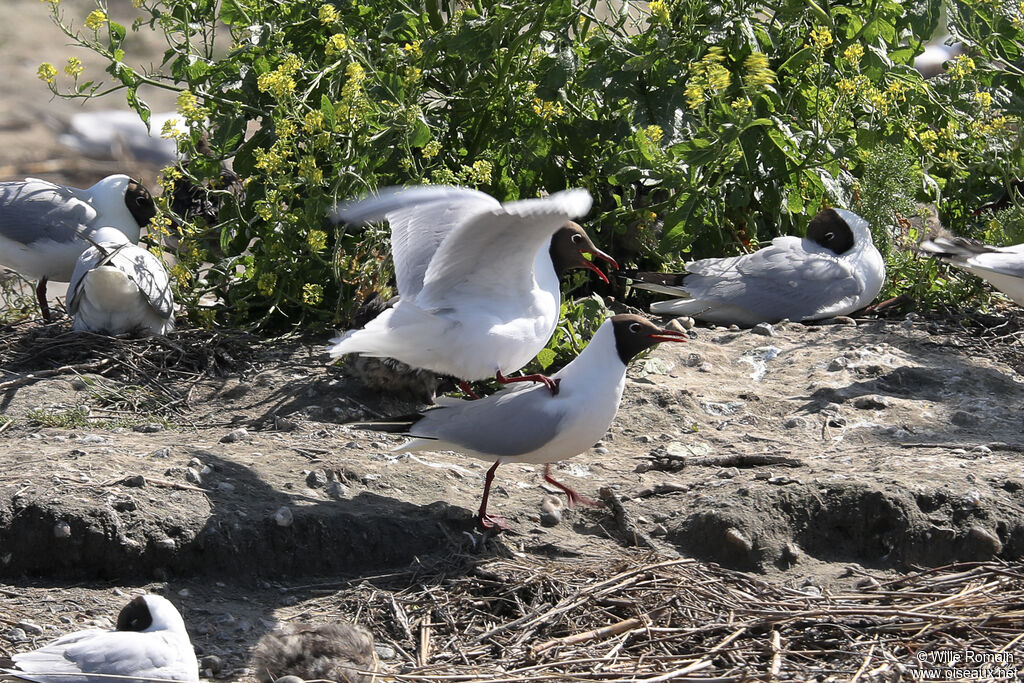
x,y
479,291
532,425
119,287
41,224
150,641
835,270
1001,267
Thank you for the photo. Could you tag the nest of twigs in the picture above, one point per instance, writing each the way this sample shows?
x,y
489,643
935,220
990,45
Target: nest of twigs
x,y
167,366
527,620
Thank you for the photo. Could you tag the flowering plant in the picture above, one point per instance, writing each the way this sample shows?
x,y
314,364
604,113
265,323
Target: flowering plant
x,y
700,128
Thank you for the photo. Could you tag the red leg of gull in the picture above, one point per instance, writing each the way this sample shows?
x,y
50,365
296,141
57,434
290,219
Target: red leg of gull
x,y
468,390
551,384
44,307
573,496
484,520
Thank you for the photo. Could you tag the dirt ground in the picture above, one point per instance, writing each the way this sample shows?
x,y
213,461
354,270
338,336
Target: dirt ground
x,y
227,473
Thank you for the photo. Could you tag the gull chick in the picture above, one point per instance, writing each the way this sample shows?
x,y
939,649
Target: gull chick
x,y
42,224
149,641
478,280
835,270
529,424
1001,267
333,652
118,287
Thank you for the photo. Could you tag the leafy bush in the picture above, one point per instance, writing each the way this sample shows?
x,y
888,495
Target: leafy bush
x,y
700,128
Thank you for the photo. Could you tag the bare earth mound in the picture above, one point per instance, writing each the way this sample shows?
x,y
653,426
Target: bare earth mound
x,y
827,458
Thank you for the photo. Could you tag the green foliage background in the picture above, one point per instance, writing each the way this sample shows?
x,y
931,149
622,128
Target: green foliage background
x,y
700,128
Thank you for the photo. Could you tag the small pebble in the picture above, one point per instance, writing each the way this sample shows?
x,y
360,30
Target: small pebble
x,y
736,538
728,473
62,530
134,481
316,479
551,511
225,486
29,627
337,490
240,434
148,427
284,516
164,452
192,476
213,664
763,329
794,422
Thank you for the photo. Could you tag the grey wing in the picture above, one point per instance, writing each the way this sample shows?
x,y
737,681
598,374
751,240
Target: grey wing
x,y
782,280
35,209
89,259
509,423
420,219
149,274
492,255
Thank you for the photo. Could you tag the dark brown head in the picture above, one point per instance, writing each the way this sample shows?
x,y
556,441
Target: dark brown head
x,y
568,246
830,231
135,616
139,202
634,334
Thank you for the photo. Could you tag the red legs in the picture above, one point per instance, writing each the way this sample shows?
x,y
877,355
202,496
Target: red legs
x,y
468,390
573,496
44,307
551,384
484,520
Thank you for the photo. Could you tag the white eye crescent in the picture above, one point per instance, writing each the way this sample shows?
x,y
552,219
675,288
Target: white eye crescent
x,y
634,328
577,238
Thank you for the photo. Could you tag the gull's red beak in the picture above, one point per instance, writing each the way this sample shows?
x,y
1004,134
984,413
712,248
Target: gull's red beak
x,y
669,336
597,253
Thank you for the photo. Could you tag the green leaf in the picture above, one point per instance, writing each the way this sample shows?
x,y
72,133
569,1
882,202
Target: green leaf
x,y
327,109
546,357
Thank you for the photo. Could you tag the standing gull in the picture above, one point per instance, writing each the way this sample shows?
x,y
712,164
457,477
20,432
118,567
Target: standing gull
x,y
1001,267
477,279
149,641
529,424
120,287
835,270
41,224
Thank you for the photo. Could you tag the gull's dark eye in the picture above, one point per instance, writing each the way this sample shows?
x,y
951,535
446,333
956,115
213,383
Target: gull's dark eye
x,y
829,236
634,328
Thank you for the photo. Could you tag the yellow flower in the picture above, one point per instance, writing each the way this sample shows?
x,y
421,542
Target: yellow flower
x,y
96,19
654,134
414,49
312,294
52,2
983,98
547,110
758,75
962,67
479,173
266,283
336,44
181,273
821,39
328,15
291,64
443,176
47,72
285,129
310,171
317,240
276,82
853,53
659,11
313,122
431,149
928,139
73,67
356,74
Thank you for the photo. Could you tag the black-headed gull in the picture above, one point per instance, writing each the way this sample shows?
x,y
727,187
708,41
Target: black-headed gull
x,y
835,270
149,641
1001,267
41,224
332,652
478,280
529,424
119,287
